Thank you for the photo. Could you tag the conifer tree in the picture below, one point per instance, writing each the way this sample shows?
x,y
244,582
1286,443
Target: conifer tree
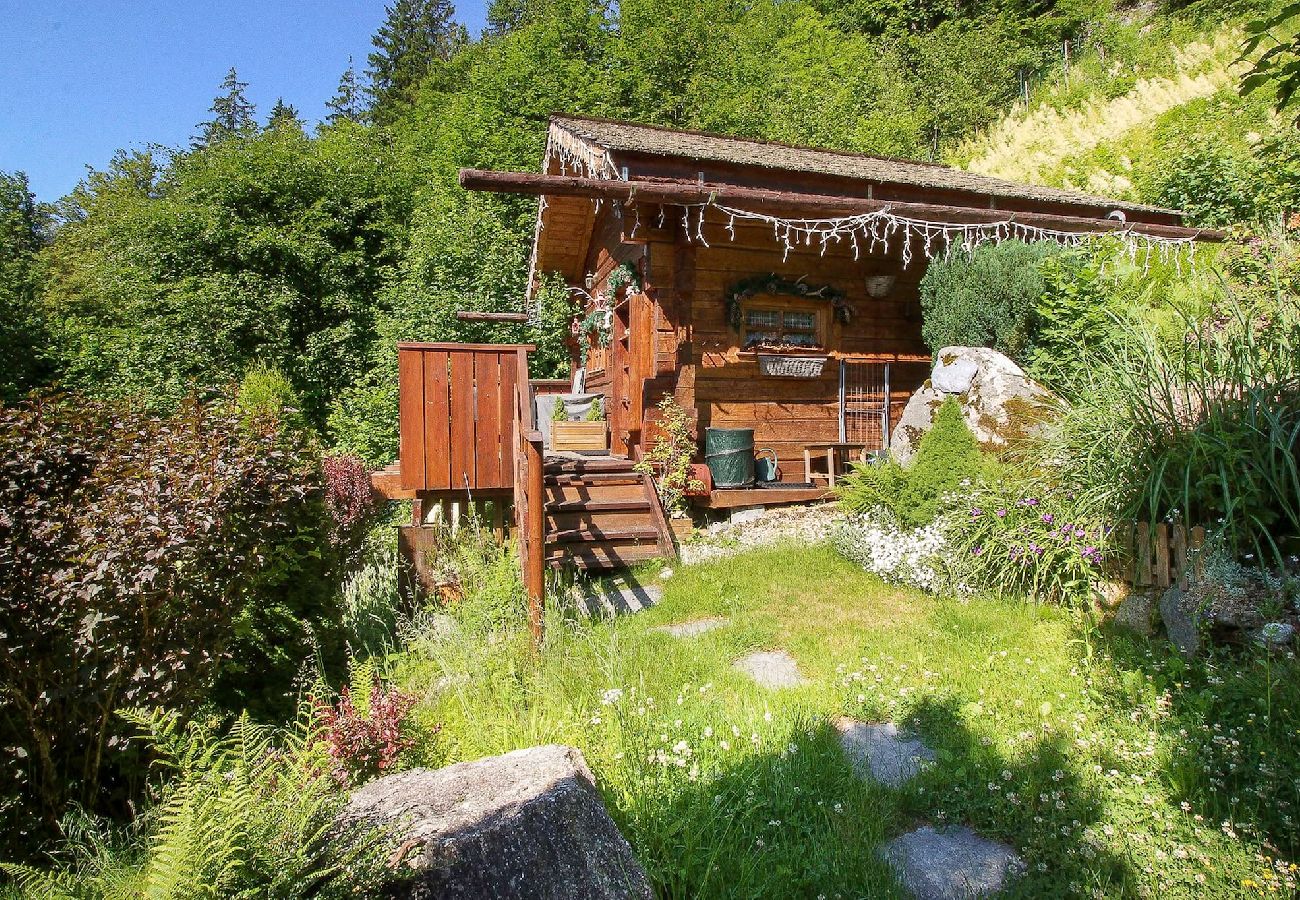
x,y
416,34
233,114
284,115
349,102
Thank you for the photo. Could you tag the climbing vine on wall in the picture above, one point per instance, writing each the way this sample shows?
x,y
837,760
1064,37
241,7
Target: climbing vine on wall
x,y
596,327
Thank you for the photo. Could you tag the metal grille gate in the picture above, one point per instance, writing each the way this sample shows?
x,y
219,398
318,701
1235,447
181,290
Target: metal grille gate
x,y
864,404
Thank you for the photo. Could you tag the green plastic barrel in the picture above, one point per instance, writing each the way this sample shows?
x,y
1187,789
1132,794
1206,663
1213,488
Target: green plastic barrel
x,y
730,455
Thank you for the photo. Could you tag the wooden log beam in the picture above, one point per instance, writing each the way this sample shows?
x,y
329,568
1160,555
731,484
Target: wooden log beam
x,y
814,205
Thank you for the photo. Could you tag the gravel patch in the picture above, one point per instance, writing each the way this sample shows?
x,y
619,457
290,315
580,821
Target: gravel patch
x,y
777,525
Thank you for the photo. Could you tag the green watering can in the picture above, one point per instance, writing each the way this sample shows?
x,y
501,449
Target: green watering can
x,y
765,468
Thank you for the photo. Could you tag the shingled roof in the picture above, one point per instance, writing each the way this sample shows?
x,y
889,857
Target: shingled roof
x,y
626,137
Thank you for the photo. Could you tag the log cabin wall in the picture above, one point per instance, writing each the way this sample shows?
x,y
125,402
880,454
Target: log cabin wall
x,y
675,337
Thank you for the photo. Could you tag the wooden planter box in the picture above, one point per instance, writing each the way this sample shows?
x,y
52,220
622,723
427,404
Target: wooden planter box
x,y
579,437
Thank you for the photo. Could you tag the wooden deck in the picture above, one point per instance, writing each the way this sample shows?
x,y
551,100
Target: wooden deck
x,y
734,498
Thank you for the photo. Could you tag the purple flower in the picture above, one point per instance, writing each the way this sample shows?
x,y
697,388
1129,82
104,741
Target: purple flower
x,y
976,513
1002,513
1078,532
1032,501
1049,518
1037,550
976,550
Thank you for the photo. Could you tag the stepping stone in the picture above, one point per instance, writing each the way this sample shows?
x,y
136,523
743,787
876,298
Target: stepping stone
x,y
950,864
882,752
771,669
693,628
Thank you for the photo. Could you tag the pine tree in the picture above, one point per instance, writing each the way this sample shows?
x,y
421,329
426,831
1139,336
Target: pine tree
x,y
233,114
416,34
284,115
504,16
349,103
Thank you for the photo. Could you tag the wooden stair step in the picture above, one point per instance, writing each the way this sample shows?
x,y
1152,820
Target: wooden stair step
x,y
580,505
597,533
594,478
603,556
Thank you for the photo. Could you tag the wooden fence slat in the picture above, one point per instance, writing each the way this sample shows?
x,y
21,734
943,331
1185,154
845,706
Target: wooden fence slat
x,y
487,403
410,380
437,440
463,473
1162,555
506,415
1142,575
1179,541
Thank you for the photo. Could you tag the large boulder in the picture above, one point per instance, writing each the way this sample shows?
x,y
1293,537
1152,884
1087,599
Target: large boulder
x,y
527,824
998,400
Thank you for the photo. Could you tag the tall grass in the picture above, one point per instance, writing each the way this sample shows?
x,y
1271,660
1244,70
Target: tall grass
x,y
1204,430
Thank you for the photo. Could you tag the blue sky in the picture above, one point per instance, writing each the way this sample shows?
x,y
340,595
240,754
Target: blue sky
x,y
80,79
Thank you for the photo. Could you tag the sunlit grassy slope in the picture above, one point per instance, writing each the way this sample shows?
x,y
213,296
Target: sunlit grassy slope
x,y
1112,769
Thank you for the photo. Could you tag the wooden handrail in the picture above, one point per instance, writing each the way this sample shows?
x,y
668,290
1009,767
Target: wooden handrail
x,y
530,501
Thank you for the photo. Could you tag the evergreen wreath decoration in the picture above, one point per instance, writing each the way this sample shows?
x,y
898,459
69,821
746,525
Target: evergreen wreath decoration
x,y
598,322
774,284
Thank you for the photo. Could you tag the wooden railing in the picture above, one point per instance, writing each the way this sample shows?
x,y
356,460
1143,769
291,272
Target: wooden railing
x,y
456,409
529,497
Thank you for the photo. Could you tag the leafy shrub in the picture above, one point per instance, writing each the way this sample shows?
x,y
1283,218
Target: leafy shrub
x,y
365,730
372,598
986,298
1213,185
349,498
150,560
669,458
265,395
948,460
246,813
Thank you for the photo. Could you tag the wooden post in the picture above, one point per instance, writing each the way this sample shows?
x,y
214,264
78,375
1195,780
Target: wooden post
x,y
534,576
1143,576
1180,556
1162,555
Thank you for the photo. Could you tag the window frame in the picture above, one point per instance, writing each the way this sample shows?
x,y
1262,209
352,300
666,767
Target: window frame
x,y
783,305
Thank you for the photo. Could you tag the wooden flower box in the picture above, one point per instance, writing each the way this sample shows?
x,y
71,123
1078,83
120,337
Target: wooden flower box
x,y
579,437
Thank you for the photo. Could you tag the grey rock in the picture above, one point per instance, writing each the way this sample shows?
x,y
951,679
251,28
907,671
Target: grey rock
x,y
527,824
1137,613
692,628
771,669
955,375
1182,621
950,863
998,401
882,752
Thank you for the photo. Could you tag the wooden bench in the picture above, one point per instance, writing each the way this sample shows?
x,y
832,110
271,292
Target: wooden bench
x,y
837,460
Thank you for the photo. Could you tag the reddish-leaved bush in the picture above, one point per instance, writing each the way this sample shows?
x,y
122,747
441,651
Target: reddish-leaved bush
x,y
349,499
146,561
365,739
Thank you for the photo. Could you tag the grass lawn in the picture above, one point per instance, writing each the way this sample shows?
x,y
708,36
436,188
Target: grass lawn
x,y
1112,769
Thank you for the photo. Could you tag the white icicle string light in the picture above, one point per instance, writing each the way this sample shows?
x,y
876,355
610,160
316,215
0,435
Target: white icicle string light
x,y
935,238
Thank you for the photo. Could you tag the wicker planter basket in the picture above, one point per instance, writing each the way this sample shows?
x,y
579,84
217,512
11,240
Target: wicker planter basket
x,y
791,366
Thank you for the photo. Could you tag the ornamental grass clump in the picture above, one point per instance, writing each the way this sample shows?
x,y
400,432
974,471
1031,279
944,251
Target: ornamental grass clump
x,y
1203,431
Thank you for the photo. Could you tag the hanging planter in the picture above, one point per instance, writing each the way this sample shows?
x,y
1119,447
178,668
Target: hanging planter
x,y
780,366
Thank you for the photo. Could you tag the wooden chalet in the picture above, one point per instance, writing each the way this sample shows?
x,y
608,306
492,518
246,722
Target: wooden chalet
x,y
761,285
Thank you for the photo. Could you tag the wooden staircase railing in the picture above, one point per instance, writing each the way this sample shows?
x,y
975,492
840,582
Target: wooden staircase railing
x,y
530,499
